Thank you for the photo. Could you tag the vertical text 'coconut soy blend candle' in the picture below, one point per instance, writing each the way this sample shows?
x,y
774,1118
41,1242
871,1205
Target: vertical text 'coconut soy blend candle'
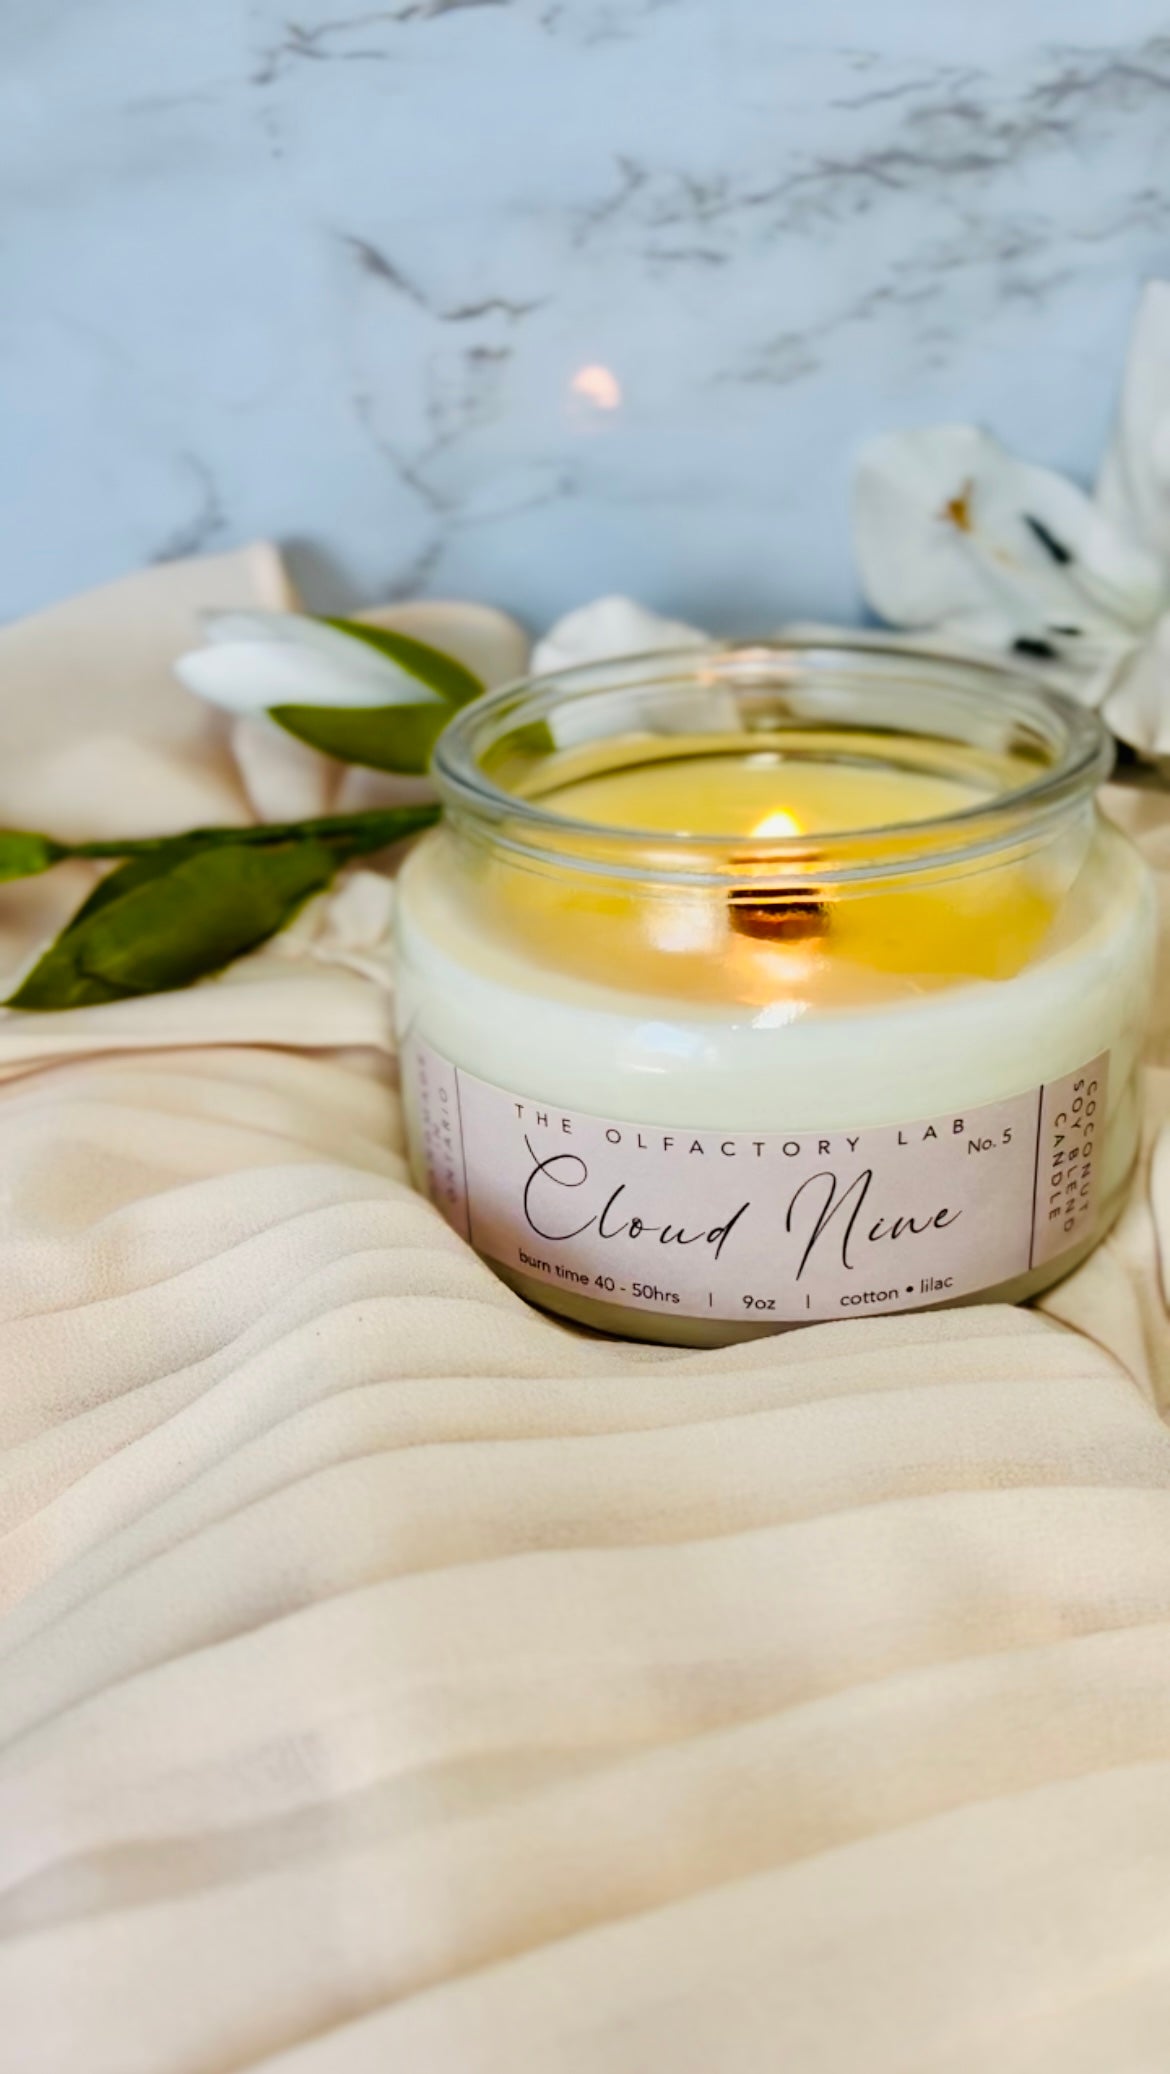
x,y
747,987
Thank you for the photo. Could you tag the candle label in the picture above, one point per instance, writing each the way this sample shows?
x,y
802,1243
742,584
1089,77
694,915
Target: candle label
x,y
782,1227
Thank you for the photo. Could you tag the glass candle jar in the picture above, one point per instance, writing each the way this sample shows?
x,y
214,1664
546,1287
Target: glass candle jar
x,y
749,986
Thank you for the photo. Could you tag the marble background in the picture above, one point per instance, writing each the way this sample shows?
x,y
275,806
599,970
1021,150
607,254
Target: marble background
x,y
524,300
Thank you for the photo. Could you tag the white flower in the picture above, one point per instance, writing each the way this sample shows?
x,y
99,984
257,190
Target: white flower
x,y
960,542
255,660
609,627
614,628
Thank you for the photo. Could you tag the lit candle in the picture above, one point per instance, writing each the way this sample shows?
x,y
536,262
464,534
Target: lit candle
x,y
831,1005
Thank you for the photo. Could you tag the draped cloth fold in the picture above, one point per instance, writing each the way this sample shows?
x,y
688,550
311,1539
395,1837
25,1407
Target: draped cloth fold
x,y
391,1678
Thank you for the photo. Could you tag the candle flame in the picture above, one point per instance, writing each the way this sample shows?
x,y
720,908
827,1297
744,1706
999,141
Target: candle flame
x,y
779,823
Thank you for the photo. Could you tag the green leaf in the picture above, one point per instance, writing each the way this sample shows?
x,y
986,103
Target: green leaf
x,y
24,854
391,737
164,921
56,967
385,738
510,760
117,883
453,681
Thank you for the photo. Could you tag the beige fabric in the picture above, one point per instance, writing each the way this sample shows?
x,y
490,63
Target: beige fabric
x,y
390,1679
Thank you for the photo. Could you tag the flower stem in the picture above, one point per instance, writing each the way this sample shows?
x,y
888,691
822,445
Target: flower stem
x,y
359,833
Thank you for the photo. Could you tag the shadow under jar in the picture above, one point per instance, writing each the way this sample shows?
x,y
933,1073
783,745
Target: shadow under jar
x,y
751,986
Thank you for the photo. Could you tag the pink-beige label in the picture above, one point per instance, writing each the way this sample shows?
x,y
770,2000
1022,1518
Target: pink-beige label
x,y
787,1226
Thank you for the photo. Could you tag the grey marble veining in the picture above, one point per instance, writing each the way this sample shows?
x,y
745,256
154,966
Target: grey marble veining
x,y
529,299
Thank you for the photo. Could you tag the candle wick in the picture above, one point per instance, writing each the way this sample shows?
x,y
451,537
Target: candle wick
x,y
778,914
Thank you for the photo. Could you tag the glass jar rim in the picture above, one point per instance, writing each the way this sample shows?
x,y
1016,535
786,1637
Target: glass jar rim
x,y
1081,753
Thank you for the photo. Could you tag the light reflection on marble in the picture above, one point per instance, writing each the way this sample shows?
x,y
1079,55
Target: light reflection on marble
x,y
525,300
